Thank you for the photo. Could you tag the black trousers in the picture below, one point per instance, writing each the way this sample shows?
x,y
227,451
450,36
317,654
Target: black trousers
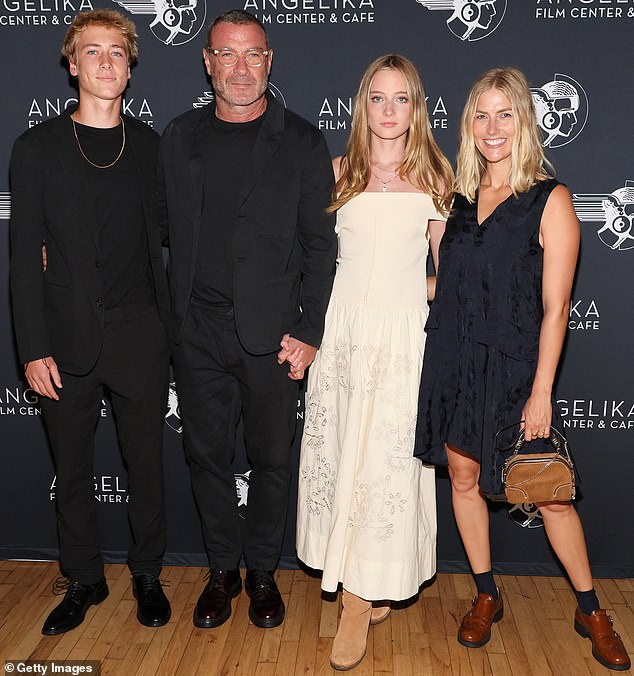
x,y
216,379
133,367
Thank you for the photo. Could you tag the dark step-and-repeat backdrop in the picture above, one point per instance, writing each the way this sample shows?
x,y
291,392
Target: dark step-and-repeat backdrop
x,y
577,55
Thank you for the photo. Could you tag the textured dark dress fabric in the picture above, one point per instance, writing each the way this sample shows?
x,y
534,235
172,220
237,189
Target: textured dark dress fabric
x,y
483,334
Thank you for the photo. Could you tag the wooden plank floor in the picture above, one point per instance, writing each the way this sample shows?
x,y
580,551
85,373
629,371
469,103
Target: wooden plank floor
x,y
535,638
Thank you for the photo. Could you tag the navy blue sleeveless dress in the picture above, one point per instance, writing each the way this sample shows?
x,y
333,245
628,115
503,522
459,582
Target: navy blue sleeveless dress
x,y
483,333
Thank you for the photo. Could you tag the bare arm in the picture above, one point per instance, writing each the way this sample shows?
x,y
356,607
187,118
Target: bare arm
x,y
559,236
436,231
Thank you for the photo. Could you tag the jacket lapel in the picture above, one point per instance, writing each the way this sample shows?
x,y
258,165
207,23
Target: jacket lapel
x,y
146,169
196,141
73,168
266,145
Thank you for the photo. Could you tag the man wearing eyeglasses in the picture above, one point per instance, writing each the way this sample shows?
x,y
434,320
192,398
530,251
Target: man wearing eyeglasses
x,y
244,185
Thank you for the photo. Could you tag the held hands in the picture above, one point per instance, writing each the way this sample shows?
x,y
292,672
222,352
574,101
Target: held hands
x,y
299,355
537,416
43,375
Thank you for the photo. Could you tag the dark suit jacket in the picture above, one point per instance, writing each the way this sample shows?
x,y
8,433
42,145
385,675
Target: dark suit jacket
x,y
284,245
58,312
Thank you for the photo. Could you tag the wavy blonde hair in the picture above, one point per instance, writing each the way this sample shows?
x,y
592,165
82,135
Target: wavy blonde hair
x,y
528,162
424,165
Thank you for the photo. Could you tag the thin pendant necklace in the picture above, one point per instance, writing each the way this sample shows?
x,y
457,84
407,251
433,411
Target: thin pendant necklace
x,y
116,159
383,183
394,173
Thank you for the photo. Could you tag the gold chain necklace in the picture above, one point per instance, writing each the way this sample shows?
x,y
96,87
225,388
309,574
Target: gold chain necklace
x,y
83,154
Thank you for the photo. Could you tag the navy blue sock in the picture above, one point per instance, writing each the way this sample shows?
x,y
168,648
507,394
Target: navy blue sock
x,y
587,600
486,584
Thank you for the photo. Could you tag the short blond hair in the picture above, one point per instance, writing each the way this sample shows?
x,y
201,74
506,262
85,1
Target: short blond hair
x,y
107,18
528,162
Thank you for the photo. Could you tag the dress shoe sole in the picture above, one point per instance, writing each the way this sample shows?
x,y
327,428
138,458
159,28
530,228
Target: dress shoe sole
x,y
478,644
347,667
157,622
98,599
213,622
269,622
584,633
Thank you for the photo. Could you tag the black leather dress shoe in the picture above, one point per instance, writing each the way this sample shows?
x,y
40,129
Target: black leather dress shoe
x,y
71,611
214,604
153,608
267,608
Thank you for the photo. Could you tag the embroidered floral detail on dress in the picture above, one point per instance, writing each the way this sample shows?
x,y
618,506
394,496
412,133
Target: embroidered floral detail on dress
x,y
320,482
396,503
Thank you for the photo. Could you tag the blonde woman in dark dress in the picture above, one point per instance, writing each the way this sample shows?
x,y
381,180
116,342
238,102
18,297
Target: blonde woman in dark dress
x,y
494,340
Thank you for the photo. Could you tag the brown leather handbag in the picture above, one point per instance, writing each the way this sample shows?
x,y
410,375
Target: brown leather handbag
x,y
539,477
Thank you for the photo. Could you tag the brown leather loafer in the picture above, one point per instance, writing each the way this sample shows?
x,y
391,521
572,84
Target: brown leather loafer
x,y
266,609
475,628
607,646
214,604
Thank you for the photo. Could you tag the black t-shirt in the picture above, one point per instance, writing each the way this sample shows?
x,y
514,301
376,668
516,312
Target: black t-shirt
x,y
123,260
227,154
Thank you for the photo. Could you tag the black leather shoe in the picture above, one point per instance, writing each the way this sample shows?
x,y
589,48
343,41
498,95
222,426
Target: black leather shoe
x,y
214,604
267,608
153,608
71,611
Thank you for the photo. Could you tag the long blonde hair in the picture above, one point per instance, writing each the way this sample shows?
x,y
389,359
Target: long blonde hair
x,y
424,165
528,162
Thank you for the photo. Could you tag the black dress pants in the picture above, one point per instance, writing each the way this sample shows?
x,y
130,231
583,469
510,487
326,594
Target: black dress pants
x,y
133,367
216,379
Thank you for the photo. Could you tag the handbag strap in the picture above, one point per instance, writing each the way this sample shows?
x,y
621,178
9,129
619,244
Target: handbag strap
x,y
556,438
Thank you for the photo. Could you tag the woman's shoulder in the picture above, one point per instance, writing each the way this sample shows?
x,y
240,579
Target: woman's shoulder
x,y
547,185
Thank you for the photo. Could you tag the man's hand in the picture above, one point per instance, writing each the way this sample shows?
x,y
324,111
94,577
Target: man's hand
x,y
42,375
299,355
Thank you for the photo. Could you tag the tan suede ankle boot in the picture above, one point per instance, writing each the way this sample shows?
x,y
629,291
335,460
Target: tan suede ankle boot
x,y
380,614
348,648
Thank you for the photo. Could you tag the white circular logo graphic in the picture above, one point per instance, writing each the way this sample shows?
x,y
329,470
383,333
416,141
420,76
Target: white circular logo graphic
x,y
615,212
242,492
470,20
173,417
175,22
561,107
526,515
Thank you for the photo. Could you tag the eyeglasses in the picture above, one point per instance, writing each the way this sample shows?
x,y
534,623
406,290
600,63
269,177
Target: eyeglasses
x,y
229,57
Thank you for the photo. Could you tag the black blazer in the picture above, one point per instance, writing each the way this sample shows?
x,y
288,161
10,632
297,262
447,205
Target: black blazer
x,y
284,245
58,312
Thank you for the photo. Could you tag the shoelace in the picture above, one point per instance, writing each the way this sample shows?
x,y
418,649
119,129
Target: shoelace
x,y
213,575
263,580
149,583
71,588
